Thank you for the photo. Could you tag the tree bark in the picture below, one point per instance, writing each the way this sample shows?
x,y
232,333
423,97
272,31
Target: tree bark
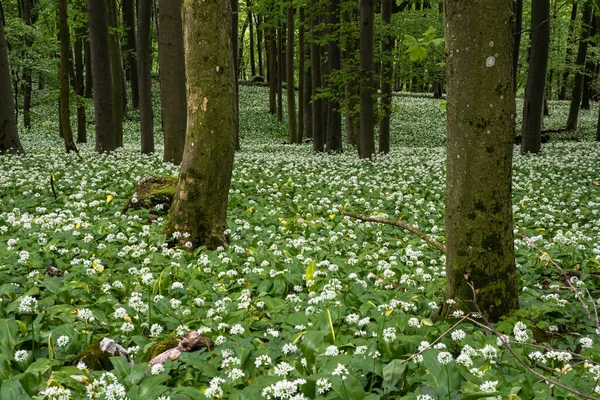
x,y
65,45
367,119
272,69
87,58
280,73
562,95
301,76
315,65
387,46
9,135
533,105
518,27
116,68
234,48
251,23
479,231
27,81
580,65
352,89
306,86
130,45
200,204
80,33
171,62
106,140
334,118
293,136
144,62
259,47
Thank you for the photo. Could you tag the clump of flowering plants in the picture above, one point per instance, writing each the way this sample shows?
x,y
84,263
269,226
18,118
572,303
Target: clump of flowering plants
x,y
306,303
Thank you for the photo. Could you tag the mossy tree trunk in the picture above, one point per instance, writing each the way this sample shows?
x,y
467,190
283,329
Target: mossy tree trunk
x,y
481,127
9,136
200,204
171,61
65,44
533,106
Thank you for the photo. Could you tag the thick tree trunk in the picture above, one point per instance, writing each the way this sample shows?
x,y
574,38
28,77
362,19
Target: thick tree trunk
x,y
479,231
171,62
562,95
272,69
9,136
533,105
144,62
106,140
65,45
387,46
367,119
317,104
130,45
518,27
116,68
234,49
27,81
200,204
577,92
293,136
334,117
80,33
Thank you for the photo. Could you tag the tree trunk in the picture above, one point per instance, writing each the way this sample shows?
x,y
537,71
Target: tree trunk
x,y
144,62
240,66
387,46
171,62
518,27
479,231
352,89
106,140
293,136
65,45
251,23
562,95
334,118
259,47
580,65
315,65
200,204
533,105
280,73
367,120
9,135
80,33
130,44
306,87
234,48
272,66
116,68
87,58
27,81
301,67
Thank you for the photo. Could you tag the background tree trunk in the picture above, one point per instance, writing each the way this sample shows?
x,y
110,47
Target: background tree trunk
x,y
315,65
9,136
518,27
272,69
144,73
293,137
280,73
234,48
87,58
106,140
171,62
251,23
301,67
367,120
387,46
27,81
80,33
334,118
580,65
533,106
65,45
352,89
562,95
116,68
306,87
130,44
479,231
200,204
259,47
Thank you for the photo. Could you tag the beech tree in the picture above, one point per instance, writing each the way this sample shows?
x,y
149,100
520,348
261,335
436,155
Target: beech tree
x,y
9,136
65,115
200,204
481,128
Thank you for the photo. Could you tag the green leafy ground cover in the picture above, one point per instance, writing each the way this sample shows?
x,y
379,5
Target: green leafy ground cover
x,y
304,303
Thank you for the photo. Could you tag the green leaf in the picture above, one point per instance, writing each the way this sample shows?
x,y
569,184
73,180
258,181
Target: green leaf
x,y
392,375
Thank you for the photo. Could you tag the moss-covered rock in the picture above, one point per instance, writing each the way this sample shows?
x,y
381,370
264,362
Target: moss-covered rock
x,y
152,191
160,347
94,358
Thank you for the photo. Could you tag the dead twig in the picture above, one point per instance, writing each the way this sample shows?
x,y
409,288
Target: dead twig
x,y
400,224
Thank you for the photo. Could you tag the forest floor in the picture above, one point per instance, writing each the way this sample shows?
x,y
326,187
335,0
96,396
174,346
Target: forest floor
x,y
304,302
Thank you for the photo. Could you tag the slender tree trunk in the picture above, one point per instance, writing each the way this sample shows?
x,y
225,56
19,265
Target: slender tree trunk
x,y
9,135
171,61
259,47
27,81
144,62
562,95
116,68
272,65
352,89
589,73
301,67
580,63
334,117
235,6
80,33
200,204
306,87
479,231
315,65
367,120
241,67
130,44
65,45
533,106
293,136
87,58
518,27
251,23
106,140
280,73
387,46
